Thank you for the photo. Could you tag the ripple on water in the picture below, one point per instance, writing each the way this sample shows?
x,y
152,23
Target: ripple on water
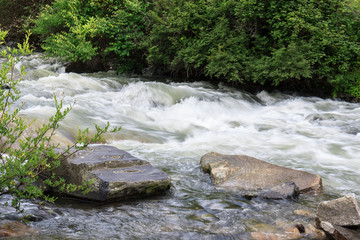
x,y
172,125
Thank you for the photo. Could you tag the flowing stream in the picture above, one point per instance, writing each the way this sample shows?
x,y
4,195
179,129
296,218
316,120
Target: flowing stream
x,y
172,125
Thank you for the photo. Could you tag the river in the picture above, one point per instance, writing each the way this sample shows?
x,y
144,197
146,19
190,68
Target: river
x,y
171,125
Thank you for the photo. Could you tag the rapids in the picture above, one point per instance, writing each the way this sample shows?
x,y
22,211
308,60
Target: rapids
x,y
172,125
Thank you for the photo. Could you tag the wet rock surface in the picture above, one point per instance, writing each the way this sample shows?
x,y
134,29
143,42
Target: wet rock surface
x,y
305,212
243,173
287,190
338,232
14,229
342,212
346,233
314,233
116,174
339,218
285,230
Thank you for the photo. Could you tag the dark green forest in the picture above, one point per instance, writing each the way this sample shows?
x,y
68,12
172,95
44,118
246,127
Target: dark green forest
x,y
311,46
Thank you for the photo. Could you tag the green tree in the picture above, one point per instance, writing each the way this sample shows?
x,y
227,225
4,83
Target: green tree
x,y
297,45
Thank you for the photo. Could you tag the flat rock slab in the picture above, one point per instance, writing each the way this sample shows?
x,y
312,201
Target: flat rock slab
x,y
343,211
244,173
116,174
102,156
135,180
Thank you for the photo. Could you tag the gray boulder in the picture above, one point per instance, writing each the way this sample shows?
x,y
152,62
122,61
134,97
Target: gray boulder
x,y
346,233
243,173
116,174
341,212
338,232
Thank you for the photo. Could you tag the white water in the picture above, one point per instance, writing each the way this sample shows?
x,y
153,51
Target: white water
x,y
173,124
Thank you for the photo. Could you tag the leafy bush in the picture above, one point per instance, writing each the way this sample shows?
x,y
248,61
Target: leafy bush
x,y
299,45
25,159
303,44
80,30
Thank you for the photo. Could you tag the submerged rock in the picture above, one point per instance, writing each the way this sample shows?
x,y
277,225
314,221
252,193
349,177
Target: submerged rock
x,y
115,174
305,212
341,212
244,173
267,236
14,229
285,230
314,233
291,233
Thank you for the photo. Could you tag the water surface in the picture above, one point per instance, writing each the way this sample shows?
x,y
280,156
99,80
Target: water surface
x,y
172,125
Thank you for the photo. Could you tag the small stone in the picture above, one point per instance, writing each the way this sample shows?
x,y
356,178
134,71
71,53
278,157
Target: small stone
x,y
305,212
282,230
263,227
341,212
328,227
288,225
293,233
314,233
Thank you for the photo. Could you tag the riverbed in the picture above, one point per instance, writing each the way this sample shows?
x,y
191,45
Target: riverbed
x,y
172,124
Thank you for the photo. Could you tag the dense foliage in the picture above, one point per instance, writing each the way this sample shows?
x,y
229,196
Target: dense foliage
x,y
26,158
298,45
81,30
